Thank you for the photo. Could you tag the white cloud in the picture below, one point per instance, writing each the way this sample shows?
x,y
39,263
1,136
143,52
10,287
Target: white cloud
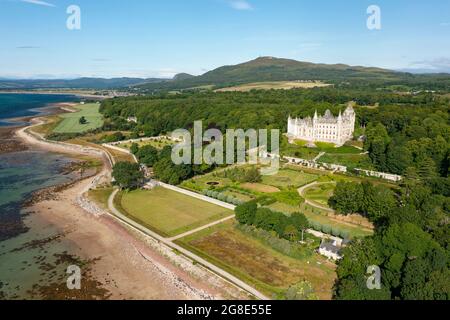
x,y
39,2
242,5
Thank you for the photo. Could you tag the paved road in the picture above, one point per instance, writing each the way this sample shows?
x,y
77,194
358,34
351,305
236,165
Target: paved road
x,y
180,249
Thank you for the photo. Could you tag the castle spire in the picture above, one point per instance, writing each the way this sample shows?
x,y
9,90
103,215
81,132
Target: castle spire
x,y
315,115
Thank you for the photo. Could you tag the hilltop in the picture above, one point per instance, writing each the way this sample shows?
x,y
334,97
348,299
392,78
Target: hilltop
x,y
277,69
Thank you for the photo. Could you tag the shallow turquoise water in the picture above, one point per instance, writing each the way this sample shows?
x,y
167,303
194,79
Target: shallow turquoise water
x,y
27,255
14,105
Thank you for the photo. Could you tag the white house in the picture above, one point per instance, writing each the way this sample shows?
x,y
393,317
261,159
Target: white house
x,y
327,128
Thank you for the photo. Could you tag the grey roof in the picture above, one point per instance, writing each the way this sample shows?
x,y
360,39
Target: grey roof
x,y
328,246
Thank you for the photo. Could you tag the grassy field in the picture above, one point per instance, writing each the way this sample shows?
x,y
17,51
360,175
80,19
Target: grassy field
x,y
289,178
100,196
158,144
277,85
259,188
361,161
321,216
168,212
71,124
320,193
258,264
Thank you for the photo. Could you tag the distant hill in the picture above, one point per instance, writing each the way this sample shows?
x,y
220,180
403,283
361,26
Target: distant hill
x,y
183,76
276,69
81,83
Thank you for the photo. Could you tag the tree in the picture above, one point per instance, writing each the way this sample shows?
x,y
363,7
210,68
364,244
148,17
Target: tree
x,y
82,120
147,155
252,175
347,198
299,221
378,202
127,175
134,149
291,232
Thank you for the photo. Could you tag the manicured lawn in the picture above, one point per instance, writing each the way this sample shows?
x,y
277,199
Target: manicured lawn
x,y
258,264
287,178
168,212
71,124
320,193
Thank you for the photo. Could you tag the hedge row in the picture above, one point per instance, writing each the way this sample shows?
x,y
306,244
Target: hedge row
x,y
222,197
329,230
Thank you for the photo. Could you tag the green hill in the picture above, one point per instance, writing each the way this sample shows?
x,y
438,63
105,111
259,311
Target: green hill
x,y
276,69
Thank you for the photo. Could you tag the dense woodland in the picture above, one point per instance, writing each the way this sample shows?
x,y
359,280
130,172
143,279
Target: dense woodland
x,y
405,134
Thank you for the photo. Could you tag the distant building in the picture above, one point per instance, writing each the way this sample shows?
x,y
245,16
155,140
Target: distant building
x,y
331,250
132,119
327,128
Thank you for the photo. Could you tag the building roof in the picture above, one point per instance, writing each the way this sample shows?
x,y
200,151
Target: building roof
x,y
330,247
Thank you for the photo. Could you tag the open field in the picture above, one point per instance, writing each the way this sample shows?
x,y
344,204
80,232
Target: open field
x,y
349,224
361,161
277,85
289,178
320,193
100,196
71,124
158,144
259,187
260,265
168,212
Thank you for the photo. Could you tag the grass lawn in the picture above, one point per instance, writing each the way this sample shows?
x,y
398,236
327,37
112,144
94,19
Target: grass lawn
x,y
100,196
158,144
361,161
168,212
259,188
320,193
287,178
258,264
239,195
321,216
71,124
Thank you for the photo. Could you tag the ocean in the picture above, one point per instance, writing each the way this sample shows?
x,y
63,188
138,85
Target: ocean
x,y
16,105
33,254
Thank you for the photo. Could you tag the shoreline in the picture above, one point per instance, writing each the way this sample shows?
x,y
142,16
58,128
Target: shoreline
x,y
142,268
79,94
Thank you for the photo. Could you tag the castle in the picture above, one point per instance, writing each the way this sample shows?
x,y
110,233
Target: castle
x,y
337,130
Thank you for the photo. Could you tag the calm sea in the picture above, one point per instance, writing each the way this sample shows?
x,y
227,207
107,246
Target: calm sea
x,y
14,105
30,247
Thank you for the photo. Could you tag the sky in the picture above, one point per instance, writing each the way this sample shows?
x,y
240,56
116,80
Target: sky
x,y
159,38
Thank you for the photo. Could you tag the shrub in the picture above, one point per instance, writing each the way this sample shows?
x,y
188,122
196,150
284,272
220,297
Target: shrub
x,y
214,194
335,232
230,199
326,229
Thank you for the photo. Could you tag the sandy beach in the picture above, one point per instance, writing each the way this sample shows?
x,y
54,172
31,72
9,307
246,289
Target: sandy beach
x,y
126,264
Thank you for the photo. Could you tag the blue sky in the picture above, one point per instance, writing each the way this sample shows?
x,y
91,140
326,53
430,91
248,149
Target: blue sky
x,y
156,38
